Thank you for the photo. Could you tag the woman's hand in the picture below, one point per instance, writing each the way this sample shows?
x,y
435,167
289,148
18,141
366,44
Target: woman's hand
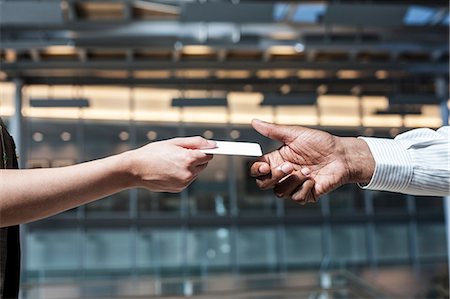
x,y
169,165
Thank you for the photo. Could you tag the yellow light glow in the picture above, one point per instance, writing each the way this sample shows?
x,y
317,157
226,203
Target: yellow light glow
x,y
236,74
60,50
296,115
10,55
339,110
204,114
282,50
278,74
381,74
192,73
59,113
197,50
284,35
311,74
382,121
7,91
152,74
348,74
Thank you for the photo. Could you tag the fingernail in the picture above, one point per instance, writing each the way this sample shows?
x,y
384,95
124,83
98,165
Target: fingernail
x,y
286,168
306,171
211,142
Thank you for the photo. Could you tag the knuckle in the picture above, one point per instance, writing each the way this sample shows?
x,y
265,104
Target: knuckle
x,y
187,176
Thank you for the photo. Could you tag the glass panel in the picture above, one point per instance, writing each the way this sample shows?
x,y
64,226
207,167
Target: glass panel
x,y
53,144
160,249
391,242
209,194
257,248
151,203
107,249
431,239
347,199
161,203
104,139
116,205
57,250
429,204
150,132
208,248
348,244
101,140
303,245
251,199
388,203
308,210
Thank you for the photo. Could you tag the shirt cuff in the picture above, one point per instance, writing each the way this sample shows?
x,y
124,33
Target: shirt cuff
x,y
393,167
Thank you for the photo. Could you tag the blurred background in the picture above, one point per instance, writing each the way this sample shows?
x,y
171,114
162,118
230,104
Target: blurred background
x,y
83,79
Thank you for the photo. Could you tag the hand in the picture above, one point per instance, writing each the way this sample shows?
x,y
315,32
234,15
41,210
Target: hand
x,y
328,160
169,165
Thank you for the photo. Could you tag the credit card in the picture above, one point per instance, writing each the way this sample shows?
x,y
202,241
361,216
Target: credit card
x,y
235,148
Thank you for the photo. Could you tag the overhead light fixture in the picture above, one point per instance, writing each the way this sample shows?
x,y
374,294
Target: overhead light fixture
x,y
66,136
59,103
348,74
417,99
124,135
199,102
197,50
293,99
401,110
282,50
60,50
38,137
381,74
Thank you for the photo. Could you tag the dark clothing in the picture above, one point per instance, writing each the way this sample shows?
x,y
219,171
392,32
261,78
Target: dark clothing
x,y
9,236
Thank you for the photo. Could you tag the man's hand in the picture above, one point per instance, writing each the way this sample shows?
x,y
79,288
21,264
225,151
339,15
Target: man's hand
x,y
310,162
169,165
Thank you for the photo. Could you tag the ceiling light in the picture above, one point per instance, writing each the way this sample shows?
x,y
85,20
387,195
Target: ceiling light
x,y
65,136
285,89
235,134
299,47
38,137
322,89
348,74
124,135
60,50
51,103
208,134
152,135
282,50
197,50
199,102
381,74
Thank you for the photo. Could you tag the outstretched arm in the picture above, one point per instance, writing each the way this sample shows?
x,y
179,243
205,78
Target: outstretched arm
x,y
32,194
328,161
415,162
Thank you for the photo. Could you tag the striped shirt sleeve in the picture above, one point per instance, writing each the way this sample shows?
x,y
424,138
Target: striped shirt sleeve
x,y
416,162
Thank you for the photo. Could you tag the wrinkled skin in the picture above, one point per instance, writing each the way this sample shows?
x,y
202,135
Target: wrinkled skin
x,y
317,158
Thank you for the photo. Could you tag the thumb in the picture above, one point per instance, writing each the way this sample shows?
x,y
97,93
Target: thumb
x,y
195,142
284,134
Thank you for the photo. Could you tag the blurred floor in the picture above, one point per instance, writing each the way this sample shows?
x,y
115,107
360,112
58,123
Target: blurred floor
x,y
391,282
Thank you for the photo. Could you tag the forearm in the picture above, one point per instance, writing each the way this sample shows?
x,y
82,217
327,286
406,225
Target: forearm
x,y
416,162
359,161
28,195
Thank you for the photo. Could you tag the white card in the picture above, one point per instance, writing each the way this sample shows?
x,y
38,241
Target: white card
x,y
235,148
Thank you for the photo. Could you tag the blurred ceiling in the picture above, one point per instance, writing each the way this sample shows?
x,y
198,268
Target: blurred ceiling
x,y
365,47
